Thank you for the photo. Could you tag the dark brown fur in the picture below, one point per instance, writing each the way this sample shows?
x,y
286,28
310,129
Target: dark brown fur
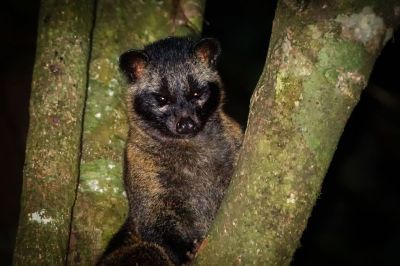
x,y
174,182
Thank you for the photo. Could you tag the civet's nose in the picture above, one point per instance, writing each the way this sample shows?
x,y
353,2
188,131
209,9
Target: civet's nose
x,y
186,126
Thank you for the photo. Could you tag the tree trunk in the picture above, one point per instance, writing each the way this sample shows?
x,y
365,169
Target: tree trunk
x,y
319,60
53,144
100,208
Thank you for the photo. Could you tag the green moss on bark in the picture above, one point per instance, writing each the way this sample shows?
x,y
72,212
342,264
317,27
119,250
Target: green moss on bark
x,y
313,79
52,153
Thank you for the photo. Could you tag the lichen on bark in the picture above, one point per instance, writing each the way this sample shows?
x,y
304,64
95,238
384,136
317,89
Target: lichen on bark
x,y
53,143
319,60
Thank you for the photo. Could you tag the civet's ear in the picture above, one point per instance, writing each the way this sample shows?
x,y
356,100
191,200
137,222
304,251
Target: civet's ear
x,y
133,64
207,50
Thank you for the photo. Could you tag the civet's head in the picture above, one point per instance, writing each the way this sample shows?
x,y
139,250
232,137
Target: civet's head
x,y
174,86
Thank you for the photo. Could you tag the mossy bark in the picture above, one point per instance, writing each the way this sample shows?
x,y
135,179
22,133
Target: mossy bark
x,y
53,144
319,60
101,205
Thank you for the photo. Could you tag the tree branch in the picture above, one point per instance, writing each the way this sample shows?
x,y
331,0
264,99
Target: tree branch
x,y
53,144
319,61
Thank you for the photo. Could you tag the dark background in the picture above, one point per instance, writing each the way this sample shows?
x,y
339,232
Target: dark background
x,y
357,218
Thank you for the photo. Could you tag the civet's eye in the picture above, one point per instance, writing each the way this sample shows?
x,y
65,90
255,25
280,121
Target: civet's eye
x,y
197,94
161,100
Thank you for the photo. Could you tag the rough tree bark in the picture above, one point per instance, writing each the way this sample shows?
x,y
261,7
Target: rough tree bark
x,y
100,208
52,153
319,60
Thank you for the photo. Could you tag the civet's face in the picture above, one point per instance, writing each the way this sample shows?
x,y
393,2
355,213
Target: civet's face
x,y
174,89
